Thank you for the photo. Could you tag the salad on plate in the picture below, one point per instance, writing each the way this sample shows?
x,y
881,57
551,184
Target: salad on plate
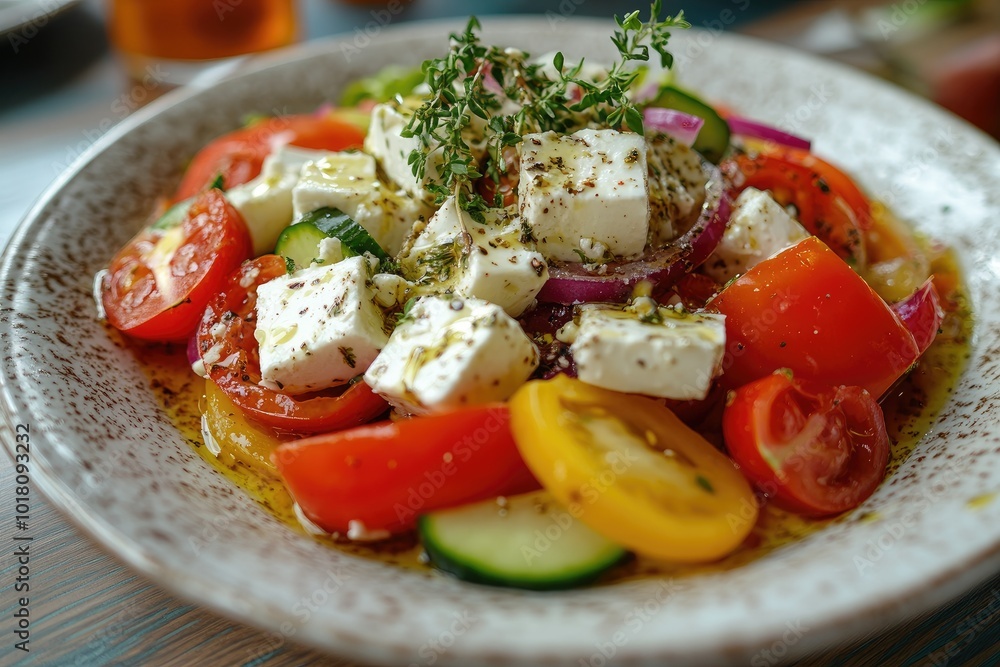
x,y
541,314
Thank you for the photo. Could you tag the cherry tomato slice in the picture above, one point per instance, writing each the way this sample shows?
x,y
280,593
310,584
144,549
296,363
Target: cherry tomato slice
x,y
230,352
628,468
386,474
829,203
806,310
814,449
157,286
507,187
238,156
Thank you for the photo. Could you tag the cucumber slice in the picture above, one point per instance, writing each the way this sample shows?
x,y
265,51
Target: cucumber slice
x,y
300,243
383,86
529,542
338,224
173,216
713,140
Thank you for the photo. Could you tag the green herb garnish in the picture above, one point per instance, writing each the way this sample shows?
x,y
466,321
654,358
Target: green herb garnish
x,y
703,482
458,95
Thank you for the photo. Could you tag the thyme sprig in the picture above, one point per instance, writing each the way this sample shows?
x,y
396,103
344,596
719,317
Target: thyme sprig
x,y
463,117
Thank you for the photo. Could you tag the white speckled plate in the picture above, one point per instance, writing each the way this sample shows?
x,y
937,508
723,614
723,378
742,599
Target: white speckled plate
x,y
106,455
28,17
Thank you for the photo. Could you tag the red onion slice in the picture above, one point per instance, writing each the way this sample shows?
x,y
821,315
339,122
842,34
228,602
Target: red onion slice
x,y
324,110
647,93
570,283
751,128
681,126
193,355
921,313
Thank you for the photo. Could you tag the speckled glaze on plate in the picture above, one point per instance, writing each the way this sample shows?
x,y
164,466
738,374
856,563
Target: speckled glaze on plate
x,y
105,454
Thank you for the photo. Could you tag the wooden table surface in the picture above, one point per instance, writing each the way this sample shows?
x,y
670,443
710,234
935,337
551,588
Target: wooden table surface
x,y
88,609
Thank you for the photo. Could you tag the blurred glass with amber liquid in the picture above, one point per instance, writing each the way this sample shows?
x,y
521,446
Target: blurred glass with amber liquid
x,y
179,39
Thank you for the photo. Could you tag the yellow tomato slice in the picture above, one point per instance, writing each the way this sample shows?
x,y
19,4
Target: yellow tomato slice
x,y
237,438
631,470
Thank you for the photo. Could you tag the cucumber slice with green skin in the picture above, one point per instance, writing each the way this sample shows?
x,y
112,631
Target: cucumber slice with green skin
x,y
383,86
299,243
530,541
173,216
713,139
333,222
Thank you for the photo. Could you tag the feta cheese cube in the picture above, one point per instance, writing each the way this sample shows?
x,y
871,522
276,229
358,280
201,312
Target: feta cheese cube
x,y
348,181
385,141
266,201
647,349
488,260
450,352
676,188
758,228
319,327
591,184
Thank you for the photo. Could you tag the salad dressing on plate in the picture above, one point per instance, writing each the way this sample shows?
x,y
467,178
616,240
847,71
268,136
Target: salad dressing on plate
x,y
910,411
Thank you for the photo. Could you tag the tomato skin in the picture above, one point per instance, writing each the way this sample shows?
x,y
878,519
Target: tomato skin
x,y
806,310
238,156
829,203
695,290
233,311
813,449
387,473
630,469
507,187
212,238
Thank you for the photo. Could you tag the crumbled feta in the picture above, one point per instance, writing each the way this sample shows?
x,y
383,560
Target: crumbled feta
x,y
448,352
593,250
391,290
211,444
266,202
330,251
98,294
307,523
487,260
319,327
647,349
349,181
590,184
357,531
758,228
676,188
199,369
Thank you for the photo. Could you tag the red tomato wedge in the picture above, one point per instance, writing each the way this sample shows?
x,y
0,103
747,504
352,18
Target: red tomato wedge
x,y
386,474
230,352
157,286
814,449
804,309
829,203
238,156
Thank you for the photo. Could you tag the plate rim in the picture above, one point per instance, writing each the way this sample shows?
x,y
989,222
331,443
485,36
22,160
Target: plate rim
x,y
15,17
907,604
